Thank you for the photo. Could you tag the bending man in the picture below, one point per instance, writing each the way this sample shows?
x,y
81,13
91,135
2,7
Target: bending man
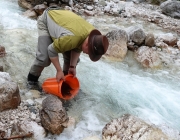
x,y
62,31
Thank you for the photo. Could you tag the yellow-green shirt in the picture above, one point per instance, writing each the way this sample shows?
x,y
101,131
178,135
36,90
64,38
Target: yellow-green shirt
x,y
67,30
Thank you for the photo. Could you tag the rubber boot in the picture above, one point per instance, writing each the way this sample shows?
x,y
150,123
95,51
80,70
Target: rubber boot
x,y
32,83
33,78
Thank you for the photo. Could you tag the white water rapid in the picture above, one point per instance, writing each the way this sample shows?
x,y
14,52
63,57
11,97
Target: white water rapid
x,y
110,89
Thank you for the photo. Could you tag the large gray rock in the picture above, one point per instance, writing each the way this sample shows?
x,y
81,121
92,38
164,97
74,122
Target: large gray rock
x,y
136,34
9,92
117,44
171,8
53,115
131,128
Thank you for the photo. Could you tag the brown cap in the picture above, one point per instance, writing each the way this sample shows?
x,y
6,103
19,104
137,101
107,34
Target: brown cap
x,y
97,45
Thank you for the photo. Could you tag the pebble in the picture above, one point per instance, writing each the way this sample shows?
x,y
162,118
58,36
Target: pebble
x,y
16,116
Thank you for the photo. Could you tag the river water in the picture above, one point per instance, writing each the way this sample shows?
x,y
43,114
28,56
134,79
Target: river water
x,y
109,89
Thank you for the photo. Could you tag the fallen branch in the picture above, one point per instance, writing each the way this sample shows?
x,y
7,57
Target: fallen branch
x,y
19,136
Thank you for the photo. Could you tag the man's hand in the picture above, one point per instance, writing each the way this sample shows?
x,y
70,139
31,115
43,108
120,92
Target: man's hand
x,y
59,76
72,71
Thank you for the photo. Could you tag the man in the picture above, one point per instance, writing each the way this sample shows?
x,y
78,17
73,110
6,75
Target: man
x,y
62,31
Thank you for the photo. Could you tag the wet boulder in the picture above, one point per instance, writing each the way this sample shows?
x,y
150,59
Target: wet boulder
x,y
171,8
117,44
150,40
136,34
148,57
129,127
53,115
9,92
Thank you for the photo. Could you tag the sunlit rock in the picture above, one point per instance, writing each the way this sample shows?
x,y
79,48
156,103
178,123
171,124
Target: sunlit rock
x,y
53,115
30,14
150,40
131,128
9,92
147,57
136,34
169,39
161,45
89,13
117,44
24,4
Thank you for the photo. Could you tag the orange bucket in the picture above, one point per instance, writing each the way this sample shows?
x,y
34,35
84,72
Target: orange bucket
x,y
64,89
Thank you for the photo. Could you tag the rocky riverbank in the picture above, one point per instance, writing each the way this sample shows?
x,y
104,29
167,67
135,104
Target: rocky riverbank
x,y
150,50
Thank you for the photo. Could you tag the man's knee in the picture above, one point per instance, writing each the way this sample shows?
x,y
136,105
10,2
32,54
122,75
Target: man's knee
x,y
36,70
43,63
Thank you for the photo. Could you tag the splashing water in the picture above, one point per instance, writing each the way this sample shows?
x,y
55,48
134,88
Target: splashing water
x,y
110,89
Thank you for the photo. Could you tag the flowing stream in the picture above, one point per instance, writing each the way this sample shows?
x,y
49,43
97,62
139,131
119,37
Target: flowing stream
x,y
109,89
